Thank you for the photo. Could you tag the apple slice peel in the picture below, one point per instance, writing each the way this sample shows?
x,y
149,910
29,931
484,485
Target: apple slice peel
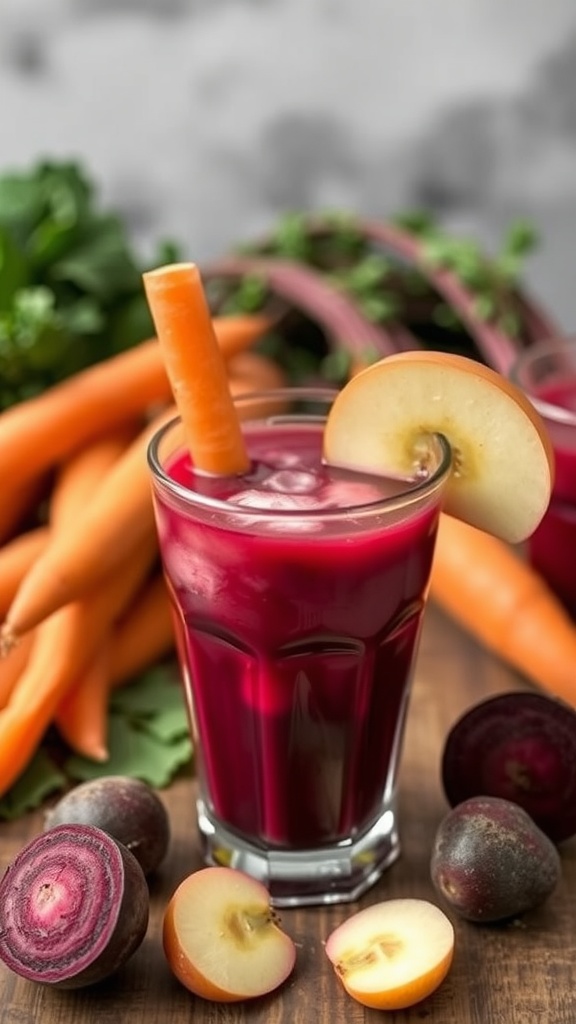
x,y
384,417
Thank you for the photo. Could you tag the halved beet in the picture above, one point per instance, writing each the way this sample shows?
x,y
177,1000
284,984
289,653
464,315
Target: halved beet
x,y
74,907
521,747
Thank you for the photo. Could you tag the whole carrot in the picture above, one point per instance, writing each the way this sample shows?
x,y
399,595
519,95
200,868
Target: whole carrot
x,y
196,369
489,590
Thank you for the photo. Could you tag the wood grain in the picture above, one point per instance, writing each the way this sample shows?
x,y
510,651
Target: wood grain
x,y
519,973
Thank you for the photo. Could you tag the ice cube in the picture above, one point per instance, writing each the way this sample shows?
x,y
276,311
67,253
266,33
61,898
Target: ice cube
x,y
273,501
292,481
346,494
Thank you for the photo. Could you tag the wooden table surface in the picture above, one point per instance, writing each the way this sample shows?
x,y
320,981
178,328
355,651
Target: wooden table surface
x,y
520,973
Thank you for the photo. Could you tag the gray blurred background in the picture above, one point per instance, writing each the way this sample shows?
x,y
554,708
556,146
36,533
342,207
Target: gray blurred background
x,y
202,120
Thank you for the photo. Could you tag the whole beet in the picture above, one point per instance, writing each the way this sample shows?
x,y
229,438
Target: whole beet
x,y
491,862
126,808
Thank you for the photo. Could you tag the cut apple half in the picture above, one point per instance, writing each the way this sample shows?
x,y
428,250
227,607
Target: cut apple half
x,y
393,954
222,939
502,462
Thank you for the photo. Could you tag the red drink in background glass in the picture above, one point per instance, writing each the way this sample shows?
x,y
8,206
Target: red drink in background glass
x,y
298,593
547,373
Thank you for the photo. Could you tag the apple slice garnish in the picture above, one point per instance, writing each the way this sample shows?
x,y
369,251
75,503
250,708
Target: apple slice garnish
x,y
392,954
222,939
501,477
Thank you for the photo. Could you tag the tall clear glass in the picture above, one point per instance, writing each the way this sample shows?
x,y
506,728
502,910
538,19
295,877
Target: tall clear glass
x,y
298,595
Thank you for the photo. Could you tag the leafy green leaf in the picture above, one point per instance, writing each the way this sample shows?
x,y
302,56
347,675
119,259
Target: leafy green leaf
x,y
56,242
153,693
40,779
13,270
134,751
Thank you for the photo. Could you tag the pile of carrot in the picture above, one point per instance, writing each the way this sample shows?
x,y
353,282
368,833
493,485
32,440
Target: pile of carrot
x,y
83,603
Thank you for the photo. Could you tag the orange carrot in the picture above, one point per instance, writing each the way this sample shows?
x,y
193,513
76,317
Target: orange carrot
x,y
82,474
252,371
12,666
37,433
144,634
63,648
118,518
196,369
81,717
487,588
16,558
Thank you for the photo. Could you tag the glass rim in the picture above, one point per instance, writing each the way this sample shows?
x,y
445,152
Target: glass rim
x,y
539,350
413,493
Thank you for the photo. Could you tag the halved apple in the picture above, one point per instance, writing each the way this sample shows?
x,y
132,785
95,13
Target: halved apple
x,y
393,954
222,939
383,418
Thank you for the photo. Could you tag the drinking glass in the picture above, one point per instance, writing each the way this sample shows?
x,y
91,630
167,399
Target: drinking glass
x,y
546,372
298,594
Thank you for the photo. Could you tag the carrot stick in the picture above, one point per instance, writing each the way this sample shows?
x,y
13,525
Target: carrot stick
x,y
489,590
16,558
64,646
144,634
38,432
196,369
119,517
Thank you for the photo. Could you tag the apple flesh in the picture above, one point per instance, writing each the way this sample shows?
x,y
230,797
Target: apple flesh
x,y
393,954
502,463
222,939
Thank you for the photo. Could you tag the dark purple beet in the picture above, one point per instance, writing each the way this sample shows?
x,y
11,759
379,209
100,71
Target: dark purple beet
x,y
74,907
490,862
127,808
521,747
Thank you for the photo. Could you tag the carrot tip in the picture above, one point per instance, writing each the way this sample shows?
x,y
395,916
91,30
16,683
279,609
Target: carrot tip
x,y
99,754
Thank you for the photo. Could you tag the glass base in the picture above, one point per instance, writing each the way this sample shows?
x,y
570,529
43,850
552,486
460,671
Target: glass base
x,y
330,874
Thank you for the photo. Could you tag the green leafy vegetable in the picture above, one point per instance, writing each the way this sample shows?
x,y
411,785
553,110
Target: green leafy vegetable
x,y
41,778
70,283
